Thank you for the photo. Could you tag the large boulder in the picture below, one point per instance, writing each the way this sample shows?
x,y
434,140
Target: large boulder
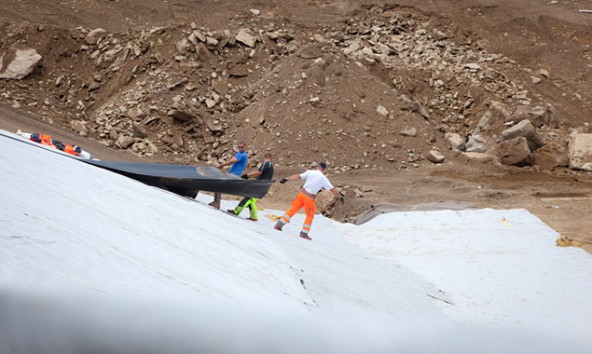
x,y
476,143
95,35
79,126
457,143
18,63
539,116
580,152
526,130
323,200
245,37
514,151
484,123
552,155
435,156
124,141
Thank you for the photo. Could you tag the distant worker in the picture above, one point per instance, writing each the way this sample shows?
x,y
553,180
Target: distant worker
x,y
315,180
72,149
238,162
67,148
265,172
43,139
47,140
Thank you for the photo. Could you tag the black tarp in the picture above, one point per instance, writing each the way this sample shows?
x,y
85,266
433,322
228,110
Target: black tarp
x,y
180,179
187,180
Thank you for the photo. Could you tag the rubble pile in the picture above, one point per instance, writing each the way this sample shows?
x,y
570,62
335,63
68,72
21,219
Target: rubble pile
x,y
388,88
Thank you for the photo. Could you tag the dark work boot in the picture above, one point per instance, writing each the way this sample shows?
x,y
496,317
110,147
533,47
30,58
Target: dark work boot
x,y
278,225
305,236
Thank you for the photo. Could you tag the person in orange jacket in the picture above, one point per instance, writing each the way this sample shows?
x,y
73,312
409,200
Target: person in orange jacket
x,y
74,150
315,180
43,139
47,140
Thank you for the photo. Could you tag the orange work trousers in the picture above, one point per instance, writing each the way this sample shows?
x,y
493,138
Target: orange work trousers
x,y
310,208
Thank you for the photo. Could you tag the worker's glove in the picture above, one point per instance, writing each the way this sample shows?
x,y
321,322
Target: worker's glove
x,y
341,198
283,180
244,176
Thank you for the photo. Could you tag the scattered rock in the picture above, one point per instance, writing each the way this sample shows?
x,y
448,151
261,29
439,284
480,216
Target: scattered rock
x,y
472,66
139,132
95,35
551,156
513,151
382,111
124,141
245,37
435,156
180,116
580,152
20,63
215,127
238,71
409,132
196,73
311,52
456,141
79,127
523,129
476,143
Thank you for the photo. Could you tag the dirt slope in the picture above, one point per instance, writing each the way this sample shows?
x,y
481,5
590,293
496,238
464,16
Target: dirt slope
x,y
372,87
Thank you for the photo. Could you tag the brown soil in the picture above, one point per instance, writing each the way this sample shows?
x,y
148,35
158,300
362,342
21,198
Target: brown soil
x,y
280,78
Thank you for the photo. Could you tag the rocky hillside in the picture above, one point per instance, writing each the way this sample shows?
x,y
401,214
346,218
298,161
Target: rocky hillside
x,y
389,87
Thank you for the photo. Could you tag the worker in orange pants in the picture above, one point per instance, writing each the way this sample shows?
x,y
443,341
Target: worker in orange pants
x,y
315,180
303,199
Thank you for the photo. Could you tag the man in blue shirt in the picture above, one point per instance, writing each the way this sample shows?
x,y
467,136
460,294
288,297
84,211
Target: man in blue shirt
x,y
238,162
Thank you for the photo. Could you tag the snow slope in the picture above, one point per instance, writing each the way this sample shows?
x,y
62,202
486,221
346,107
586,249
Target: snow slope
x,y
89,259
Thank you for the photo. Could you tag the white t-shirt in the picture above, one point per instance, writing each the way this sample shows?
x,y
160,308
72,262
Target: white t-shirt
x,y
315,180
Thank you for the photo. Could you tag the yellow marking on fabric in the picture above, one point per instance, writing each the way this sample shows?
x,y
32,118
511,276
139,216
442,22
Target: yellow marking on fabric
x,y
273,217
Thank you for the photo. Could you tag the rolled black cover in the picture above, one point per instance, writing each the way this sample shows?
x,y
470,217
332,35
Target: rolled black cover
x,y
187,180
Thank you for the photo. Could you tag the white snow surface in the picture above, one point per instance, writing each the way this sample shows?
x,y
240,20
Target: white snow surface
x,y
103,253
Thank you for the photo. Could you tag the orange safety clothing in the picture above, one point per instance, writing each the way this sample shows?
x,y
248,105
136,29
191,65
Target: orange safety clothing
x,y
45,139
301,200
72,149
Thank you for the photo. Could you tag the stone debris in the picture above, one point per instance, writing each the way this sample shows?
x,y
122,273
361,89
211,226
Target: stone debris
x,y
523,129
513,151
435,156
94,36
580,152
245,37
382,111
457,143
19,63
189,92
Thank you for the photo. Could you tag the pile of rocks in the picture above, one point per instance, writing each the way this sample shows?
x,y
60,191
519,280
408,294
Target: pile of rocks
x,y
385,89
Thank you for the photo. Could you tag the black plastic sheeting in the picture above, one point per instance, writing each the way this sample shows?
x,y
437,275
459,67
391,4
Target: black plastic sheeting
x,y
179,179
187,180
